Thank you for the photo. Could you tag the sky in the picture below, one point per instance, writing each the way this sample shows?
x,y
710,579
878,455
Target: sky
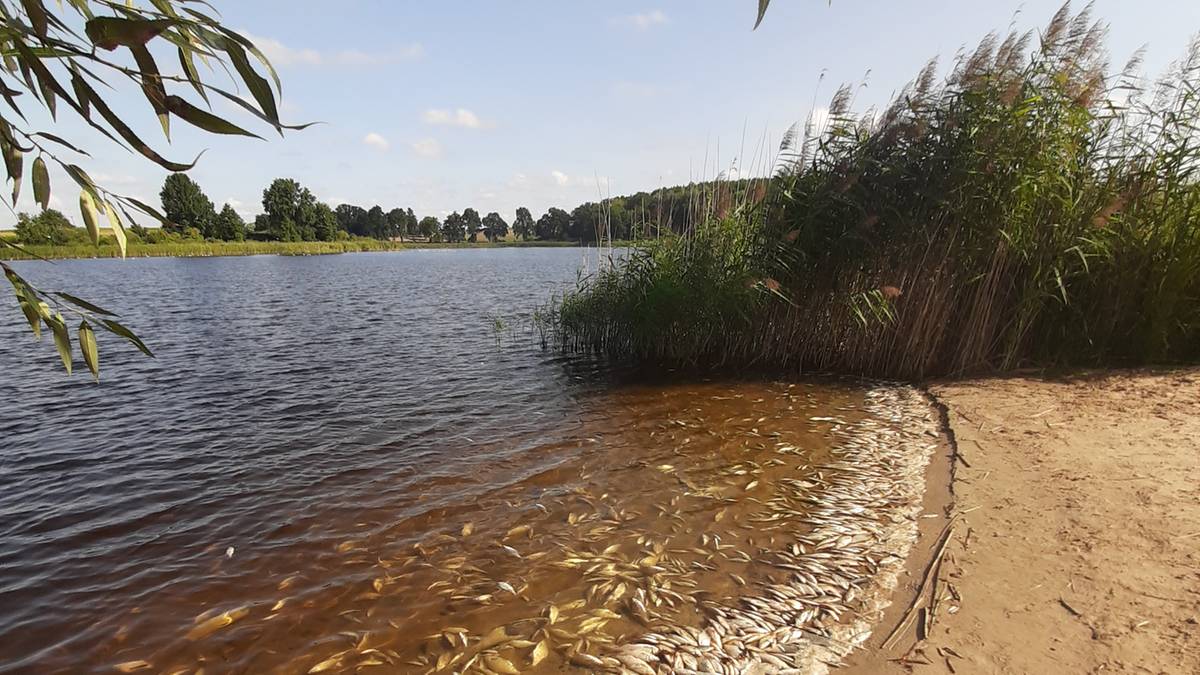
x,y
440,106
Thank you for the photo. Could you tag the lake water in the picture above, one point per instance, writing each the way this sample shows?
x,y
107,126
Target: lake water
x,y
344,463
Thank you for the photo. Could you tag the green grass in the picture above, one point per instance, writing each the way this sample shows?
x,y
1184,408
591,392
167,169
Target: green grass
x,y
1012,215
189,249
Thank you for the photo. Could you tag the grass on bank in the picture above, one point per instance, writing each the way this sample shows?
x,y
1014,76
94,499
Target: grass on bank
x,y
189,249
1030,209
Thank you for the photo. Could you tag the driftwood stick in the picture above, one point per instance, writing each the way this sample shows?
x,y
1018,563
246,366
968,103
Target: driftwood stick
x,y
934,564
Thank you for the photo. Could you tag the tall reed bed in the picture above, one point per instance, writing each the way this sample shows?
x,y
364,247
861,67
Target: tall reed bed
x,y
1029,209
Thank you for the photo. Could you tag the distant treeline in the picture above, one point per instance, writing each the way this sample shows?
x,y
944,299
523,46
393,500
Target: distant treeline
x,y
291,213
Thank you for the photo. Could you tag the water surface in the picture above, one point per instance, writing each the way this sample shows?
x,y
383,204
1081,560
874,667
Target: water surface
x,y
340,457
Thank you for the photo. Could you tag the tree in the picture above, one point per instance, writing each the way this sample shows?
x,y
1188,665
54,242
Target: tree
x,y
585,223
410,222
377,225
397,221
279,202
327,223
553,224
229,226
428,226
48,227
472,222
291,210
352,219
185,205
494,227
454,228
66,69
523,225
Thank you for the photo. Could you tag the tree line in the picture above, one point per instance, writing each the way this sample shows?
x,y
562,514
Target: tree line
x,y
291,212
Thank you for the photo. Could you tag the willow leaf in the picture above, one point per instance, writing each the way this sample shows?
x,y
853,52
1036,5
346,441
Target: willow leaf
x,y
87,346
41,183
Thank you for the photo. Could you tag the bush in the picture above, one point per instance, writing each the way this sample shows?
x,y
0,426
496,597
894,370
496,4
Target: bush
x,y
1012,215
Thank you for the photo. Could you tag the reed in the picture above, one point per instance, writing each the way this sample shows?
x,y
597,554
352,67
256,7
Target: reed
x,y
1029,209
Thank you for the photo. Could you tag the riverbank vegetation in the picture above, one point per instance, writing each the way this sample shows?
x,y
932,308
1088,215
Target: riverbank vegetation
x,y
202,248
1031,208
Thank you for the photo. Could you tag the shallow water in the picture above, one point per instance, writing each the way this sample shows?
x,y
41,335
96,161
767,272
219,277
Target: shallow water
x,y
337,463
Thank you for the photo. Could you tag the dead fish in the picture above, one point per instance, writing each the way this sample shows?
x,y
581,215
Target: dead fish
x,y
325,665
540,651
206,628
500,665
518,531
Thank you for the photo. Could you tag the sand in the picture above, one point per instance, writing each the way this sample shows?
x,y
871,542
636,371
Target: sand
x,y
1076,546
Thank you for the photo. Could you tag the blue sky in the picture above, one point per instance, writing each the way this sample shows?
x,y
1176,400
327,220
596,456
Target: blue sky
x,y
445,105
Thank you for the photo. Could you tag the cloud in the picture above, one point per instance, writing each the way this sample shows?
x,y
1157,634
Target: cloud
x,y
282,55
453,118
427,147
644,20
817,120
239,206
376,141
561,179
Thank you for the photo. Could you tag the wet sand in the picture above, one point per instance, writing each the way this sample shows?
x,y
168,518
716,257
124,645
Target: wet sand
x,y
1076,547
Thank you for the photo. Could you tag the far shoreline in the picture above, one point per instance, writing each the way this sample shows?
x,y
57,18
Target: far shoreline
x,y
221,249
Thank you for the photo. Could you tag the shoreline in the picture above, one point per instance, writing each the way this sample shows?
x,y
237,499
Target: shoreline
x,y
1075,546
202,249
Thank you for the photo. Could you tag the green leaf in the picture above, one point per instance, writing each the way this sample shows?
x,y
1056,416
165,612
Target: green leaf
x,y
259,88
14,163
41,183
152,86
189,69
117,227
62,340
762,11
87,206
110,32
147,209
80,302
32,316
203,119
117,329
60,141
87,345
37,15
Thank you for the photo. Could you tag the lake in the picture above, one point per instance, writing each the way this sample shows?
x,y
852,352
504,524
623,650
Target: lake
x,y
370,461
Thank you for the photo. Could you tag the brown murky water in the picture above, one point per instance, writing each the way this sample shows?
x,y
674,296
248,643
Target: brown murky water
x,y
529,528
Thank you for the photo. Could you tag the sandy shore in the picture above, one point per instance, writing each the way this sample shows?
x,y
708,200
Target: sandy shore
x,y
1076,538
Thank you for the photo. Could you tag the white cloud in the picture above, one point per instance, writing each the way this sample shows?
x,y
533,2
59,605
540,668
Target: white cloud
x,y
282,55
454,118
427,147
239,206
561,179
376,141
644,20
